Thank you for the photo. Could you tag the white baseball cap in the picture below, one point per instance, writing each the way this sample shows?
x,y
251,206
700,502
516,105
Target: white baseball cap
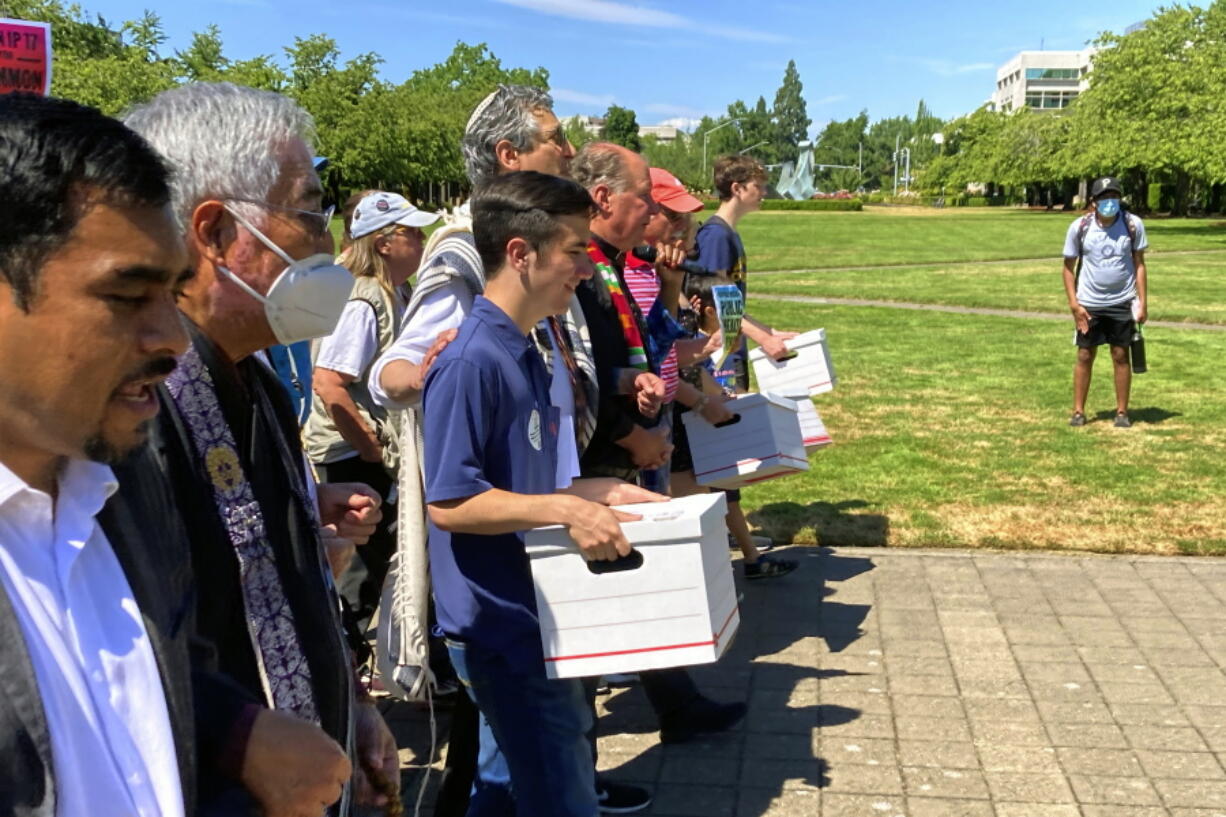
x,y
379,210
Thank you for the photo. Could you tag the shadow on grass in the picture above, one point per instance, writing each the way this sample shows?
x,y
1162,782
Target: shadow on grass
x,y
832,523
1150,415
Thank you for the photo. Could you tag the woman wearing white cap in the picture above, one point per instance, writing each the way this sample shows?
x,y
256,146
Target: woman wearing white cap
x,y
348,436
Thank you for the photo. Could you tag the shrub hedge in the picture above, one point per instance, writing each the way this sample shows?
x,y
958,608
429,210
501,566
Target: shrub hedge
x,y
804,204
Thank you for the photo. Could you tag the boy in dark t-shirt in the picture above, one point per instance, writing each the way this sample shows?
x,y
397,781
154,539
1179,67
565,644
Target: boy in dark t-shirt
x,y
740,182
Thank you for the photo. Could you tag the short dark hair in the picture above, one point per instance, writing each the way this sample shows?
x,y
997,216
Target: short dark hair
x,y
700,286
524,204
57,158
731,169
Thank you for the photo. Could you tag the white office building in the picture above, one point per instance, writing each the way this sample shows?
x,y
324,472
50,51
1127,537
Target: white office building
x,y
1041,80
593,124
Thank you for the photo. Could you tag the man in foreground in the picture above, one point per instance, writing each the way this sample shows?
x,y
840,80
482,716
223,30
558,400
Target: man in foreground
x,y
1107,287
96,715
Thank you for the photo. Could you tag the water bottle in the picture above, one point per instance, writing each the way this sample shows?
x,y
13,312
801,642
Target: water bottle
x,y
1136,351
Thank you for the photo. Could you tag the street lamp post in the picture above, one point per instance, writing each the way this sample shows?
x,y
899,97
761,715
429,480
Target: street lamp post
x,y
754,145
706,134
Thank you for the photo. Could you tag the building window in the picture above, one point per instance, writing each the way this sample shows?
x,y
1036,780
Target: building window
x,y
1050,100
1051,73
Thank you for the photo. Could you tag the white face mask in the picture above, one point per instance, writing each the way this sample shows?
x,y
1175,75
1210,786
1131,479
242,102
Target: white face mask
x,y
306,300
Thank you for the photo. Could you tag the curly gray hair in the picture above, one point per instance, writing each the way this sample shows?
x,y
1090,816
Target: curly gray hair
x,y
221,140
507,113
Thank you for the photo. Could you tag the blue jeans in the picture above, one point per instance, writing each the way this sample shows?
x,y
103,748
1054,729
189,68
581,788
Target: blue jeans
x,y
656,479
540,725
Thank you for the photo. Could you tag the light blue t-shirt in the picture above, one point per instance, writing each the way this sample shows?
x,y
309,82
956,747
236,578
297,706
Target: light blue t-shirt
x,y
1108,274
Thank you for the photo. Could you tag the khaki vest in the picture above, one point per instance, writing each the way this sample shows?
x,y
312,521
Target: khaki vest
x,y
324,444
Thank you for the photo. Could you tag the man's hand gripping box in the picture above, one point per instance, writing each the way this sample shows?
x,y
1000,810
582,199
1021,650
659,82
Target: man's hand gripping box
x,y
809,372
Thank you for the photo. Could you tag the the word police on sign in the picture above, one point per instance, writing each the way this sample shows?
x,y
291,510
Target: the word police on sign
x,y
25,57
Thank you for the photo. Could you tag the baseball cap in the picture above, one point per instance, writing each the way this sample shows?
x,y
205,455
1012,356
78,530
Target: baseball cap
x,y
379,210
668,190
1104,184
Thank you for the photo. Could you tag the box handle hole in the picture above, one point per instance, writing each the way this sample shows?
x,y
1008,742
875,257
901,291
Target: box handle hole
x,y
631,561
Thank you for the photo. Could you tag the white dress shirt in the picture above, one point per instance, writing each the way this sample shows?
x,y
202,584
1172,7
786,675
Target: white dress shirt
x,y
562,396
113,751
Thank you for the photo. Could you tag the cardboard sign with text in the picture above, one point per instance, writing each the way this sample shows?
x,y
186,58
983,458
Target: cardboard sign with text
x,y
25,57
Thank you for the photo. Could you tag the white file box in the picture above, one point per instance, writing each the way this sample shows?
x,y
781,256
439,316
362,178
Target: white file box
x,y
671,603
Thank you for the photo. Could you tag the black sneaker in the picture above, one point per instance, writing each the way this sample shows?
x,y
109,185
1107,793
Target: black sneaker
x,y
620,798
703,717
769,567
1078,419
1121,420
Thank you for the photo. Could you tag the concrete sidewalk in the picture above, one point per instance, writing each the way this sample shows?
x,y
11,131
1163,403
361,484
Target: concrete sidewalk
x,y
947,683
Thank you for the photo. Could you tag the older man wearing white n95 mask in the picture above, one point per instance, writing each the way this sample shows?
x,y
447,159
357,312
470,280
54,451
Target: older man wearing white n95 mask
x,y
248,200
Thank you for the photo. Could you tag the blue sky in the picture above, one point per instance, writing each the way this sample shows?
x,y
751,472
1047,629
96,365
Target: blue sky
x,y
683,58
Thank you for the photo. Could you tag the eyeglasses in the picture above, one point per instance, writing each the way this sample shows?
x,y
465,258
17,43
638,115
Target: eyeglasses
x,y
316,222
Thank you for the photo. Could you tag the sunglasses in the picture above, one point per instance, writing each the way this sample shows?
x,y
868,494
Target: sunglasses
x,y
558,137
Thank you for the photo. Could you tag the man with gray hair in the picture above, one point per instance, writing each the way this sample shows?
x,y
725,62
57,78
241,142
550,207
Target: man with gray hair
x,y
514,128
247,197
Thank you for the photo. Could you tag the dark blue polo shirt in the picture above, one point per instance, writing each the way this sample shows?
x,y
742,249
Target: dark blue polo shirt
x,y
488,424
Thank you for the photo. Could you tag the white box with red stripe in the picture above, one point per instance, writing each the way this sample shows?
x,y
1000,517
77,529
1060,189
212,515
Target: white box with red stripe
x,y
671,603
762,441
813,431
806,373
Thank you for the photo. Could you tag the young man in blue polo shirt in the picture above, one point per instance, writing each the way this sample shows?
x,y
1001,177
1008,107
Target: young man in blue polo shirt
x,y
490,462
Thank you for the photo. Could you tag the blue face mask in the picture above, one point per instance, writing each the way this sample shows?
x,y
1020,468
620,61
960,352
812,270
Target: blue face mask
x,y
1107,208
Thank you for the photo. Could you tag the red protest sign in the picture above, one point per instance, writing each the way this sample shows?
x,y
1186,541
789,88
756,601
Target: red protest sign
x,y
25,56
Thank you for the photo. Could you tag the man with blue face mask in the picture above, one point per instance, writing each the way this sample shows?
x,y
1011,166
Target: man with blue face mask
x,y
1105,281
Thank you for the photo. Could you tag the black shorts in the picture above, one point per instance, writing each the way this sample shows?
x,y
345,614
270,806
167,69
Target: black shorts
x,y
1111,326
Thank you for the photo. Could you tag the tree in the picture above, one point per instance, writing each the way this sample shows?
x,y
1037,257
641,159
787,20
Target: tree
x,y
840,143
791,118
576,131
682,157
621,128
758,126
1154,95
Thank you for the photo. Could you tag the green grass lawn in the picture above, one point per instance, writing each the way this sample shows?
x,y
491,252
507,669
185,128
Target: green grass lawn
x,y
1182,287
950,430
878,235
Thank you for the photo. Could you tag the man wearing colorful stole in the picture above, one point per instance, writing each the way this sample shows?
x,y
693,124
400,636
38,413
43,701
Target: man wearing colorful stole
x,y
624,440
247,197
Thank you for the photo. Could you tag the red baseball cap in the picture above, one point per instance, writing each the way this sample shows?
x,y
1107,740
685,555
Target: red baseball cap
x,y
666,189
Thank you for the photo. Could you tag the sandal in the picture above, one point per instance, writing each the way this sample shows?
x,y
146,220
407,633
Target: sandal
x,y
1078,419
769,567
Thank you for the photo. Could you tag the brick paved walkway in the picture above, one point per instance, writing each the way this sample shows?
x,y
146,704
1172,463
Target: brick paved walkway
x,y
951,684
